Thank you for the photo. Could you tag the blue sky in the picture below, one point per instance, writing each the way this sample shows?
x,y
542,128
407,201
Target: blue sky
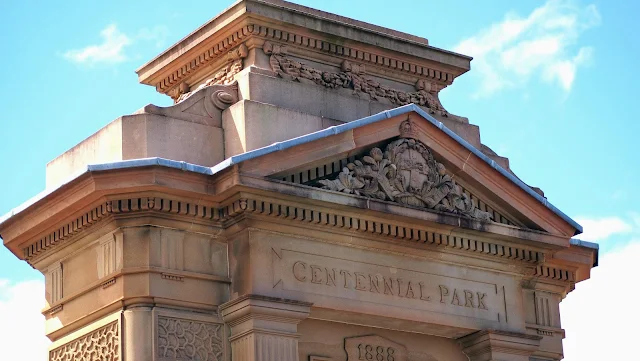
x,y
552,87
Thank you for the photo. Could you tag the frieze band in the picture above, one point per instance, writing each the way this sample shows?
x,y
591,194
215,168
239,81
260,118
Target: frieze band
x,y
392,286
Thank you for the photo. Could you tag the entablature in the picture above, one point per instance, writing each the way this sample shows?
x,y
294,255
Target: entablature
x,y
208,52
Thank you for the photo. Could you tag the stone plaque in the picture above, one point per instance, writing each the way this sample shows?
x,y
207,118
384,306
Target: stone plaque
x,y
374,348
384,285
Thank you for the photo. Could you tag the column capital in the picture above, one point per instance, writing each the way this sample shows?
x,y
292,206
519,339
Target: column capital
x,y
495,345
264,312
264,327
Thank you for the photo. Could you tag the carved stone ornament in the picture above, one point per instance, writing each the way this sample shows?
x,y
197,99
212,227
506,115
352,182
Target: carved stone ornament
x,y
351,77
226,75
406,173
101,344
180,339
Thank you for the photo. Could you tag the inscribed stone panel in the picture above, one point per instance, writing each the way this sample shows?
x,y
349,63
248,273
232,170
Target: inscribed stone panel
x,y
381,284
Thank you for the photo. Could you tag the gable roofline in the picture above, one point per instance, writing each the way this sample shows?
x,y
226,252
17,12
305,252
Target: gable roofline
x,y
236,159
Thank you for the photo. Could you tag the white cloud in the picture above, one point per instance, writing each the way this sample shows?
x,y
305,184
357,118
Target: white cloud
x,y
599,229
114,43
598,316
22,325
509,53
110,51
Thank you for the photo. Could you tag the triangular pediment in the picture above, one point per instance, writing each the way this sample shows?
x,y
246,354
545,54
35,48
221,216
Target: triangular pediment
x,y
403,171
407,157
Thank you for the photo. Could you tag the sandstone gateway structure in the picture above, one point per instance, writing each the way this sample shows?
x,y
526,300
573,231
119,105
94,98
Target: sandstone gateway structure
x,y
307,197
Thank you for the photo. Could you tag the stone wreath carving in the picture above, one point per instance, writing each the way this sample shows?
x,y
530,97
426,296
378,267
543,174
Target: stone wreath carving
x,y
351,77
180,339
406,173
101,344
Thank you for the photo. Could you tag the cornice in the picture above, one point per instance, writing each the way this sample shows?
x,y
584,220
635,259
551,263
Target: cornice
x,y
234,210
242,33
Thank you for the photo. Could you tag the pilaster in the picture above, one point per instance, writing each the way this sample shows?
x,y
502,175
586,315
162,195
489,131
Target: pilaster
x,y
138,334
264,328
542,298
493,345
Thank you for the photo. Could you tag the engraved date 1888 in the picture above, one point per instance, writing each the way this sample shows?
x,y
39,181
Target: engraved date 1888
x,y
377,353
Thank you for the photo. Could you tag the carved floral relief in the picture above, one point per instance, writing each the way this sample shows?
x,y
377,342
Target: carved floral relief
x,y
352,77
180,339
406,173
99,345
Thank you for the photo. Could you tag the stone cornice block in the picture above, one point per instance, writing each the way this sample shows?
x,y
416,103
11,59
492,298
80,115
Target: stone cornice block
x,y
251,22
488,345
262,313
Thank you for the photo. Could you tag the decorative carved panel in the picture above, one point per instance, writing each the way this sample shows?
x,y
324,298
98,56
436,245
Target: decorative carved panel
x,y
374,348
181,339
352,76
379,285
406,173
100,345
226,75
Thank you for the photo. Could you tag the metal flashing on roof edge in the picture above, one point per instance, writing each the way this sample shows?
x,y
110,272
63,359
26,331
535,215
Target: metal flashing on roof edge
x,y
301,140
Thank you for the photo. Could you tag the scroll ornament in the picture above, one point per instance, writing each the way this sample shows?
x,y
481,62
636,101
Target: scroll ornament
x,y
406,173
352,77
225,76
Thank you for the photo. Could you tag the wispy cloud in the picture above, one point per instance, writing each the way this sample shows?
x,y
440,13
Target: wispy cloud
x,y
22,332
599,229
111,50
509,53
114,44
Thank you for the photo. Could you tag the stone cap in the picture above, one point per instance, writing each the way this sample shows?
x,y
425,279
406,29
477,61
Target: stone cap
x,y
188,52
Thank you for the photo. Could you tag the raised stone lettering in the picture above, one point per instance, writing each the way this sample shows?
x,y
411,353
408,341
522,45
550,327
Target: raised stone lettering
x,y
301,266
374,283
344,274
315,274
374,348
331,276
455,300
360,280
468,299
410,293
405,288
388,286
444,292
422,292
481,304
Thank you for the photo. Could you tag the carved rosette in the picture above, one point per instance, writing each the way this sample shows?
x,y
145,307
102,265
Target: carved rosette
x,y
180,339
406,173
101,344
352,77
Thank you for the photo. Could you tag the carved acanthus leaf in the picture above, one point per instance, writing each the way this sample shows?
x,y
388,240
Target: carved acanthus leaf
x,y
406,173
352,77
